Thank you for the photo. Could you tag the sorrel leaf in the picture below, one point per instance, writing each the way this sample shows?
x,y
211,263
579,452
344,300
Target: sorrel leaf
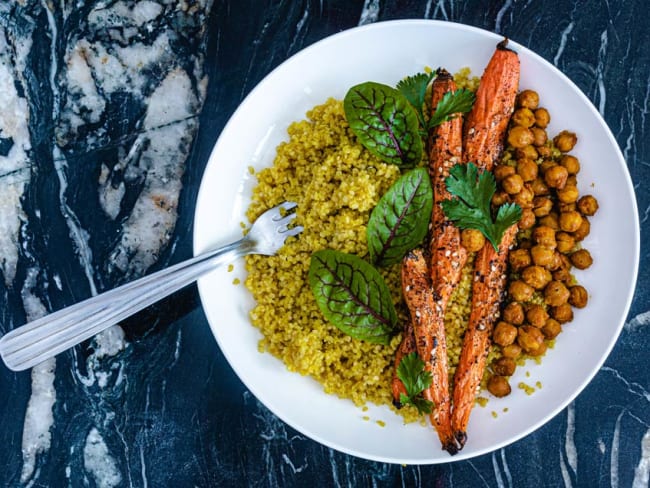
x,y
400,220
352,295
384,122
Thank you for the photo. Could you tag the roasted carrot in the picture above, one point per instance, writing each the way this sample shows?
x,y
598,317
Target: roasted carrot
x,y
486,123
448,259
484,134
487,290
429,343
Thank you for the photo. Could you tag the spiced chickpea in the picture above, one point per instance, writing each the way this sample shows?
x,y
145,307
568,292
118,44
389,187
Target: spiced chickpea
x,y
524,198
565,140
544,151
514,313
542,206
520,291
551,329
504,334
519,137
556,293
528,151
563,275
572,180
588,205
511,351
578,296
542,256
472,239
530,338
523,117
502,171
539,136
571,163
568,194
527,220
566,207
499,198
552,220
536,276
557,261
581,259
499,386
542,117
562,313
528,99
540,351
527,169
512,184
539,187
504,366
570,221
545,236
556,176
565,242
583,231
519,259
545,165
536,315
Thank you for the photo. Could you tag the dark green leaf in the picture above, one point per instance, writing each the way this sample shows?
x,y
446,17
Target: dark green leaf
x,y
400,220
415,379
384,122
471,209
352,295
452,104
414,88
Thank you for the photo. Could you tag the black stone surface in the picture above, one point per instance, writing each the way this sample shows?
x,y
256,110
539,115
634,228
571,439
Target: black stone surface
x,y
180,417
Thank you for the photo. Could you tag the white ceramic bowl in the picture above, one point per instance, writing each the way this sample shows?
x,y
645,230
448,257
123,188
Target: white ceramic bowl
x,y
386,52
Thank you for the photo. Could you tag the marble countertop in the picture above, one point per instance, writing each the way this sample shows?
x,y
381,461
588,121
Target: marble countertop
x,y
110,109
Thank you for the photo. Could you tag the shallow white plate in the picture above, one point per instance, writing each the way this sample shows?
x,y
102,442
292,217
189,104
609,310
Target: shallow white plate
x,y
386,52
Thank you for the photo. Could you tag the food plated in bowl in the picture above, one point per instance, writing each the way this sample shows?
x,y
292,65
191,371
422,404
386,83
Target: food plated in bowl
x,y
250,140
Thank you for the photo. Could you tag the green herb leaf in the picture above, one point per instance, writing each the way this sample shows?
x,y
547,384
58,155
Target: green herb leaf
x,y
471,210
452,104
400,220
416,379
414,88
352,295
384,122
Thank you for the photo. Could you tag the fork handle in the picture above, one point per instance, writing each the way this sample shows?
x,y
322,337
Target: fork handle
x,y
47,336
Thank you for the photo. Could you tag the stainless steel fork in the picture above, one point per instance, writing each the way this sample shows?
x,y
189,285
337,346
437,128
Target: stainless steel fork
x,y
46,337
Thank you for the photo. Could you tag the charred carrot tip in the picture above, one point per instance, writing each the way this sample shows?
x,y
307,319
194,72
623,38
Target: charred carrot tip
x,y
442,73
461,437
451,447
503,45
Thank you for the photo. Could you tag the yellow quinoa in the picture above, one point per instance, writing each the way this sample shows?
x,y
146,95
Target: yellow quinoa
x,y
336,183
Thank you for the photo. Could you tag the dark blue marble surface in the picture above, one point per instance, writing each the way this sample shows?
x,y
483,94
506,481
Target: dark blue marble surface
x,y
89,162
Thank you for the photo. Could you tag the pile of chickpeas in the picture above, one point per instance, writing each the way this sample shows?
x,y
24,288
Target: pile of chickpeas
x,y
541,177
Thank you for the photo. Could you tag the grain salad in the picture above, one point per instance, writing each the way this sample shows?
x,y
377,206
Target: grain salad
x,y
336,183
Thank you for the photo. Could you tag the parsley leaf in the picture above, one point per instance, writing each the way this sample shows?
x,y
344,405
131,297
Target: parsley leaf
x,y
471,208
414,89
415,379
451,104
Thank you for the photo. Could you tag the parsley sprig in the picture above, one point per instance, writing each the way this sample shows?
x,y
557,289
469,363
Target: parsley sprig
x,y
414,89
415,379
471,209
452,104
